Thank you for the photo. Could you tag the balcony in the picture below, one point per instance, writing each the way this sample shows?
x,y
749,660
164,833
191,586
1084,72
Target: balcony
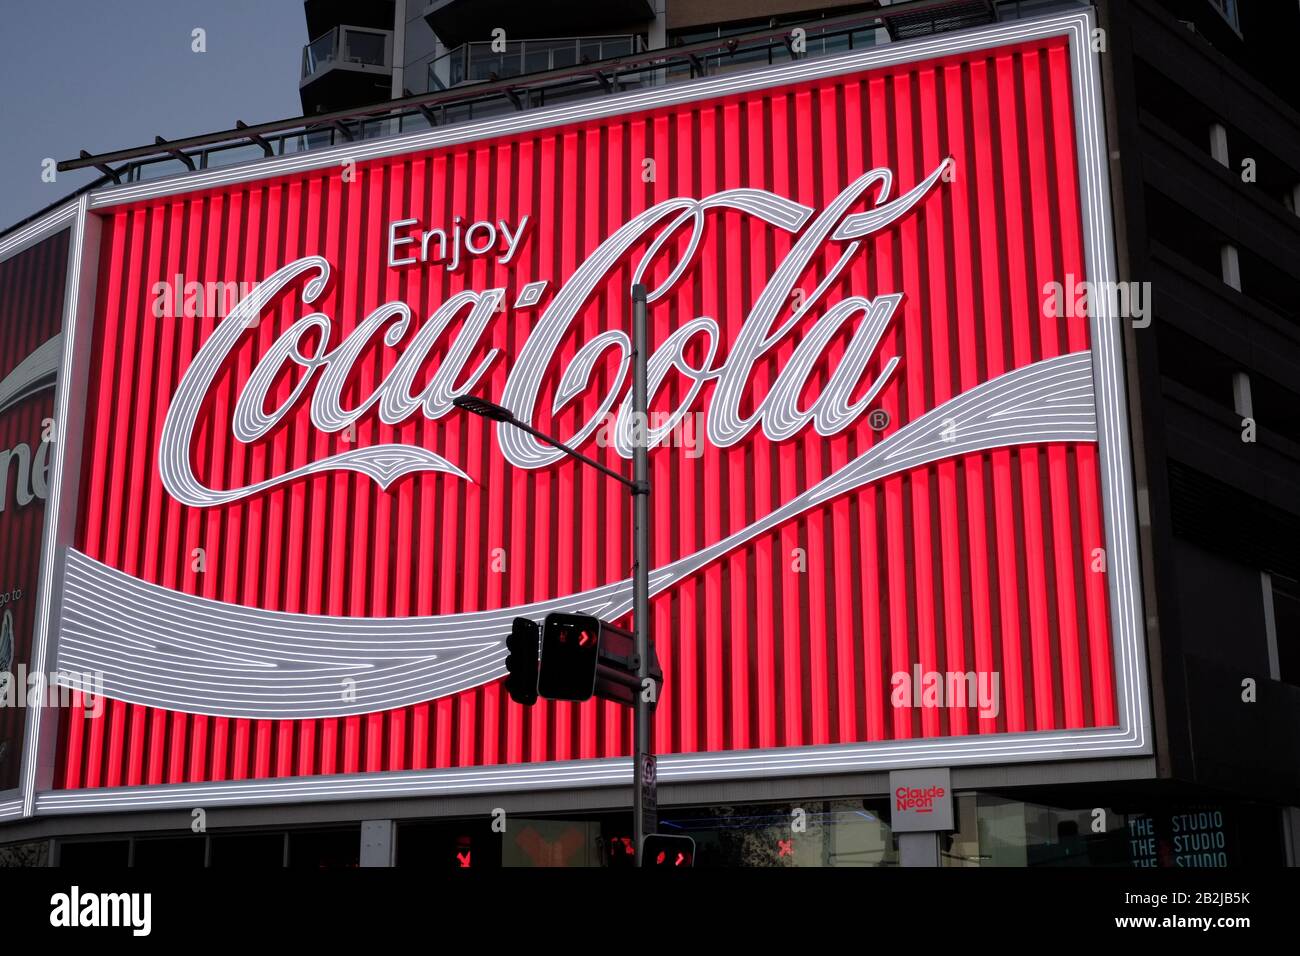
x,y
323,15
459,21
345,67
353,48
336,58
478,62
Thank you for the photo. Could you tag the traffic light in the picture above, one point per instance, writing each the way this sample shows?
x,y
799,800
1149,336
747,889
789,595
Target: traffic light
x,y
521,662
569,658
661,851
575,657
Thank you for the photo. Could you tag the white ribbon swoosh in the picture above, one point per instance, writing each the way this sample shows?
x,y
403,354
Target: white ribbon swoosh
x,y
161,648
33,374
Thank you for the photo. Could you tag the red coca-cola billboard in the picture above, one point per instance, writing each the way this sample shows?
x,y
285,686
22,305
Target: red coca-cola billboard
x,y
891,503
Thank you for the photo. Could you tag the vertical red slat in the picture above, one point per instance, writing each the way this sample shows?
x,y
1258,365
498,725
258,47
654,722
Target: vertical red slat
x,y
1060,505
939,347
1024,300
705,470
739,480
690,166
840,570
957,98
918,377
615,509
562,545
883,154
762,257
369,597
1004,552
538,484
1101,668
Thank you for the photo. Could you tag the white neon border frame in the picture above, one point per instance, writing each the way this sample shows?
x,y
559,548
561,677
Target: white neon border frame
x,y
1130,738
16,243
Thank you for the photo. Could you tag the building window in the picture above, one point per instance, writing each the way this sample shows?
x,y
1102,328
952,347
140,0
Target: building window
x,y
93,854
993,830
247,850
813,833
325,849
1282,622
25,854
170,853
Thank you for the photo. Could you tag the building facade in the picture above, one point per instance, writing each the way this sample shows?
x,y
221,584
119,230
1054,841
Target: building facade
x,y
973,325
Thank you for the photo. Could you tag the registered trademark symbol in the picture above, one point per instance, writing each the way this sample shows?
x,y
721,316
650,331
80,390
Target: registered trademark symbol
x,y
878,419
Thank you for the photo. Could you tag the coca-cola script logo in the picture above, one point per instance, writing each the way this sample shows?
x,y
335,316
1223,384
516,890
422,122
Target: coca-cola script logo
x,y
326,369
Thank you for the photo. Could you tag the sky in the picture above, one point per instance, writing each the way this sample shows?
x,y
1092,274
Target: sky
x,y
110,74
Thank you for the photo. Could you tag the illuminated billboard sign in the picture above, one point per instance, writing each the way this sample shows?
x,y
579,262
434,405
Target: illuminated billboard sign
x,y
33,272
891,515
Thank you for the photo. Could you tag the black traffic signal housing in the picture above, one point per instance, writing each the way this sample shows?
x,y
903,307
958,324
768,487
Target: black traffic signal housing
x,y
662,851
575,657
570,656
521,661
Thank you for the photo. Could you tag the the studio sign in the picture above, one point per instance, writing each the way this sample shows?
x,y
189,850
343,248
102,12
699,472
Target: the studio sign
x,y
326,369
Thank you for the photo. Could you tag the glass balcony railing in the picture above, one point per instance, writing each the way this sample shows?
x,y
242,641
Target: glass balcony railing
x,y
478,61
475,62
354,45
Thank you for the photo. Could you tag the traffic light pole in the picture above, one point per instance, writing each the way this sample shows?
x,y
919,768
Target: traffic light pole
x,y
643,818
645,803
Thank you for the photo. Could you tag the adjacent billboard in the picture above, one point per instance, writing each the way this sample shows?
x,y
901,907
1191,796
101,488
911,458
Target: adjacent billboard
x,y
891,510
33,274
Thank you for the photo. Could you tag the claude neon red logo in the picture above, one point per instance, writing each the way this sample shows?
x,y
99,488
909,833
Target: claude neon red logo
x,y
917,799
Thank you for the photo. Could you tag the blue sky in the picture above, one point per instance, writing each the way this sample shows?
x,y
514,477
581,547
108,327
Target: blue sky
x,y
109,74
